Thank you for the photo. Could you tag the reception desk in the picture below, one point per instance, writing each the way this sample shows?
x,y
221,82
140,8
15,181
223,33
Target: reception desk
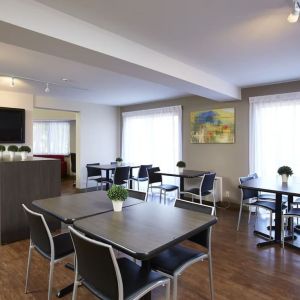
x,y
22,181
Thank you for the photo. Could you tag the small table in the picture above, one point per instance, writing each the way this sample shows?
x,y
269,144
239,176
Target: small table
x,y
184,174
274,186
110,167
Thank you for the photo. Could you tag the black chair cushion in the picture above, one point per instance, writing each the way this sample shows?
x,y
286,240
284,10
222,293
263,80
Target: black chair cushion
x,y
171,259
135,279
168,187
293,211
266,204
63,245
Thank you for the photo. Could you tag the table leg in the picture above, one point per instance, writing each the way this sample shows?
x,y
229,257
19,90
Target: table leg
x,y
130,176
69,288
278,212
181,184
107,179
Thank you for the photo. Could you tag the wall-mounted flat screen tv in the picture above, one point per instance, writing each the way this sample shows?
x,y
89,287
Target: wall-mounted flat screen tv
x,y
12,125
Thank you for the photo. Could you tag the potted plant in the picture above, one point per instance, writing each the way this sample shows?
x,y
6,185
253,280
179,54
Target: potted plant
x,y
24,151
285,172
12,150
119,161
181,164
2,149
117,194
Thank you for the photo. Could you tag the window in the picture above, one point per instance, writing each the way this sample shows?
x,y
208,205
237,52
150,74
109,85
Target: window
x,y
274,133
51,137
153,137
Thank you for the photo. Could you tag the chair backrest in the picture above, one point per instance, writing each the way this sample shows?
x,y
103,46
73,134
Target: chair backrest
x,y
40,235
121,175
153,177
97,265
204,237
207,183
73,162
143,171
92,172
136,194
246,193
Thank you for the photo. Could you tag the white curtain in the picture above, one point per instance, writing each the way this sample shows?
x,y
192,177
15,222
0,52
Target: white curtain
x,y
51,137
274,133
153,136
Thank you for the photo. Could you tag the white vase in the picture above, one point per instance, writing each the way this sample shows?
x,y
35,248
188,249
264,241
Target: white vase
x,y
180,170
119,163
24,155
117,205
284,178
12,155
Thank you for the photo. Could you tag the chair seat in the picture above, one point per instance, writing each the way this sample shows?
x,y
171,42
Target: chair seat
x,y
135,279
196,191
139,178
63,245
271,197
168,187
293,212
174,258
266,204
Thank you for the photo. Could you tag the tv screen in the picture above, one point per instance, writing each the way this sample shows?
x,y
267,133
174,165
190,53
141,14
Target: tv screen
x,y
12,125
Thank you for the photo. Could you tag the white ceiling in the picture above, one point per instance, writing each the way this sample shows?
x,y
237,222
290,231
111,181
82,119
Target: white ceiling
x,y
242,41
230,43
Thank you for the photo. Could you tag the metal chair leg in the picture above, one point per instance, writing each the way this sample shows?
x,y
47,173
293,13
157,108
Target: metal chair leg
x,y
211,283
50,280
282,232
138,184
28,266
270,231
167,296
240,214
76,283
249,215
160,196
165,197
256,216
97,186
175,283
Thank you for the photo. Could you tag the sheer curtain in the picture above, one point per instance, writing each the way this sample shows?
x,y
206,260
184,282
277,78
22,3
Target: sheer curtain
x,y
51,137
274,133
153,136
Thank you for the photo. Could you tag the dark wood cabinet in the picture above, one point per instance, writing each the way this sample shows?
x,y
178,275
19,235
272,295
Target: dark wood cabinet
x,y
23,182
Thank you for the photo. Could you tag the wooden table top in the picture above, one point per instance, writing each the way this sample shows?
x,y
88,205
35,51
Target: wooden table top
x,y
184,173
272,186
142,231
73,207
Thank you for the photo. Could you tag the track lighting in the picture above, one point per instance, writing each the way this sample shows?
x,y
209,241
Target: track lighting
x,y
12,83
294,15
47,89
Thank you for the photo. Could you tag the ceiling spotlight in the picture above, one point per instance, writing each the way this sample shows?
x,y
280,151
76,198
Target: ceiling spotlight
x,y
47,89
294,15
12,83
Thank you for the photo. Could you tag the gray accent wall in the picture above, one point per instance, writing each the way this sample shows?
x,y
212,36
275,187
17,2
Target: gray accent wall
x,y
230,161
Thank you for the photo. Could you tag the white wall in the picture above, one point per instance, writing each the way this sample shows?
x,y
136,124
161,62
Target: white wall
x,y
19,100
97,132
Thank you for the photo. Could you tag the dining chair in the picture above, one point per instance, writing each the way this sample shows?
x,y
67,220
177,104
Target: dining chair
x,y
250,198
142,175
205,189
136,194
94,174
293,212
173,261
53,248
154,178
121,175
107,277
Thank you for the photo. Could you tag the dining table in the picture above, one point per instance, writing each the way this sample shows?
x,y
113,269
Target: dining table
x,y
108,168
275,186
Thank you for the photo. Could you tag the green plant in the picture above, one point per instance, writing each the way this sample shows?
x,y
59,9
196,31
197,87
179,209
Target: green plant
x,y
117,193
12,148
24,149
285,170
119,159
2,148
181,164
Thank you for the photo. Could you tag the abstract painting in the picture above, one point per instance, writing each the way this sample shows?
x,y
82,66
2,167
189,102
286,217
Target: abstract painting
x,y
216,126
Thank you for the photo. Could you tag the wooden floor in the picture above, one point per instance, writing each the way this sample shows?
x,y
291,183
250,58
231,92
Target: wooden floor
x,y
241,271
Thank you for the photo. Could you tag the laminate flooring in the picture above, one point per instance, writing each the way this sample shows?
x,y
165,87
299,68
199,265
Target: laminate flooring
x,y
241,270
